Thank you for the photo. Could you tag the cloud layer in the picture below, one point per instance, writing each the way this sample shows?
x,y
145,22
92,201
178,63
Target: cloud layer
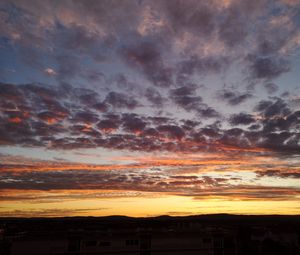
x,y
71,118
211,84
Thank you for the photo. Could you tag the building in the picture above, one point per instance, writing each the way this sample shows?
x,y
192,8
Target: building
x,y
124,242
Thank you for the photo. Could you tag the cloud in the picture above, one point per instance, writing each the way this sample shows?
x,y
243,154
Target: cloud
x,y
128,78
49,212
39,116
271,88
202,65
171,131
86,184
85,117
50,116
132,123
251,193
193,16
154,97
279,173
185,97
282,141
202,176
132,53
166,42
241,119
268,68
68,67
276,107
108,125
49,71
233,97
147,58
282,123
120,100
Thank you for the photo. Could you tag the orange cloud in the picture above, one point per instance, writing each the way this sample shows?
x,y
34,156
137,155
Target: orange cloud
x,y
15,120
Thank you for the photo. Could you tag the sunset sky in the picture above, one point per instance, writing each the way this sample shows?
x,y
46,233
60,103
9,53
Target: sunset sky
x,y
146,108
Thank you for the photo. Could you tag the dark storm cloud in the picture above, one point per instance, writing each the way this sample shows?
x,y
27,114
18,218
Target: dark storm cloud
x,y
233,97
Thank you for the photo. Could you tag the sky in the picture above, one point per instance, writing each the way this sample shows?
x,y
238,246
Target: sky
x,y
146,108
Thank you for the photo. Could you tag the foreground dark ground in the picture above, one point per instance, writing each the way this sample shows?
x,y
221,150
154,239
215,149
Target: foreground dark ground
x,y
205,234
